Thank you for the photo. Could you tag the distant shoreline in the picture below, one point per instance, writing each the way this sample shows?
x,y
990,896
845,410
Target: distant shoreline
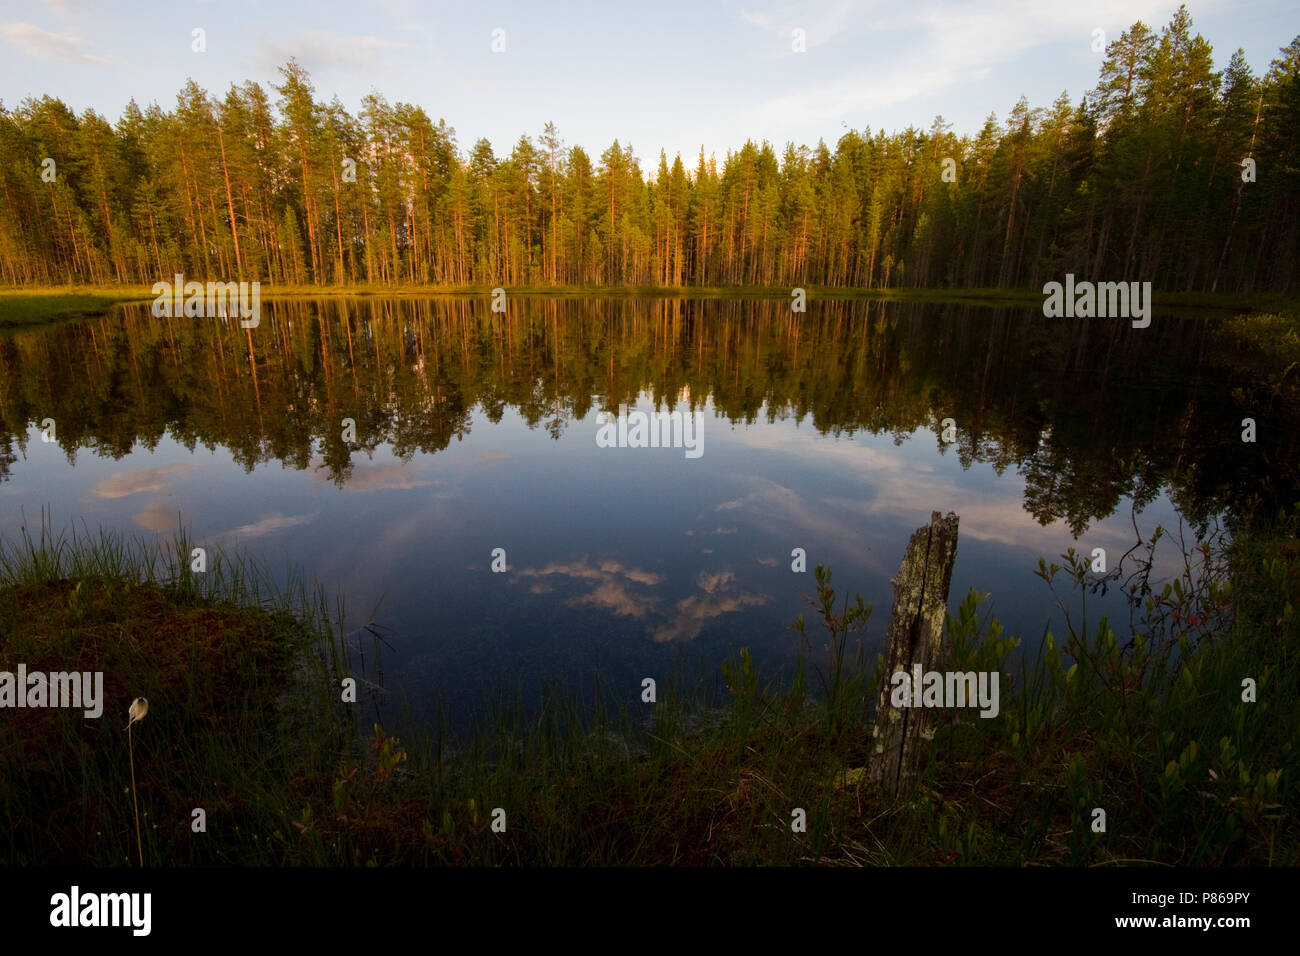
x,y
40,305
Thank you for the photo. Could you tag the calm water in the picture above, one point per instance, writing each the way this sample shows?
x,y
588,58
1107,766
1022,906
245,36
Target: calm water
x,y
474,432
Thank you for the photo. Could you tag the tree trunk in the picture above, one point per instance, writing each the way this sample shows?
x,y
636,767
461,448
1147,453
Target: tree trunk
x,y
914,639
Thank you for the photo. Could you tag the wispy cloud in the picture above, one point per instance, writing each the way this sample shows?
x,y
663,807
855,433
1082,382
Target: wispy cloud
x,y
320,51
44,45
821,22
70,8
937,46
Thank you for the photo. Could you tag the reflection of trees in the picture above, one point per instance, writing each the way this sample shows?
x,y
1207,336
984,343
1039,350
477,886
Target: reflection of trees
x,y
1087,412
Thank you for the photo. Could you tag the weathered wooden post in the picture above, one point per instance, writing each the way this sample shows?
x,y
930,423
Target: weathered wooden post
x,y
914,637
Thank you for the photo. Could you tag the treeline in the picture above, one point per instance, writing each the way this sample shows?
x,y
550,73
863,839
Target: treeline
x,y
1142,179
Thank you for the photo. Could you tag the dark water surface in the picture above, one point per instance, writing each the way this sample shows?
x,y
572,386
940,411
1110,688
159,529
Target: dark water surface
x,y
474,431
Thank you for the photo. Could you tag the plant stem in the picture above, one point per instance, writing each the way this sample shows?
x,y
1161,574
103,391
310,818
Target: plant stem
x,y
130,749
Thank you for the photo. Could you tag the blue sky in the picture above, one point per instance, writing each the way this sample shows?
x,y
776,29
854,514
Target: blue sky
x,y
677,75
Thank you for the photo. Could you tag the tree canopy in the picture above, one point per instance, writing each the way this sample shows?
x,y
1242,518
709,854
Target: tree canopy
x,y
1141,179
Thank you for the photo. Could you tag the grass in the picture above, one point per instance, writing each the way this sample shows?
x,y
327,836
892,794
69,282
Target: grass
x,y
1269,344
212,652
23,306
246,722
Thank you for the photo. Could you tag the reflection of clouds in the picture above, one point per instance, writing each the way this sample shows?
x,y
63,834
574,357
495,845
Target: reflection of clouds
x,y
396,477
612,590
768,562
584,571
719,597
622,591
489,459
270,524
641,577
403,476
613,595
159,517
690,532
138,480
789,515
450,503
986,518
714,582
856,454
581,569
901,491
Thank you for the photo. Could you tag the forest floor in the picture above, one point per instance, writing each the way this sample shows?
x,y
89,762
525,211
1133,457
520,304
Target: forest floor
x,y
26,306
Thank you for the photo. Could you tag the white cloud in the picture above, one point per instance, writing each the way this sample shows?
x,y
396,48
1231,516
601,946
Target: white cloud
x,y
932,47
320,51
821,22
44,45
70,8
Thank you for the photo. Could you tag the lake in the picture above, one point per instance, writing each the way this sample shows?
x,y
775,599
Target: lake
x,y
472,431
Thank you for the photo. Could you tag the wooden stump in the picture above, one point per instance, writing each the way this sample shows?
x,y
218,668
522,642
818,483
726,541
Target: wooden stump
x,y
914,636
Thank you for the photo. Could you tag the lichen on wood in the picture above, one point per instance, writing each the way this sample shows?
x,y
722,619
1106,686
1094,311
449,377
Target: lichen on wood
x,y
914,636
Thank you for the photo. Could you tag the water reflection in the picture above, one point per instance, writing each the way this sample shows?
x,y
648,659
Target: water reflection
x,y
476,431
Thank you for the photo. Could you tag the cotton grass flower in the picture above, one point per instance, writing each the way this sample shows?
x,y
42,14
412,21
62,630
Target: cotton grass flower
x,y
139,707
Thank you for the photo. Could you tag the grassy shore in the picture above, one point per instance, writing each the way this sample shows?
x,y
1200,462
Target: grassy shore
x,y
24,306
246,722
